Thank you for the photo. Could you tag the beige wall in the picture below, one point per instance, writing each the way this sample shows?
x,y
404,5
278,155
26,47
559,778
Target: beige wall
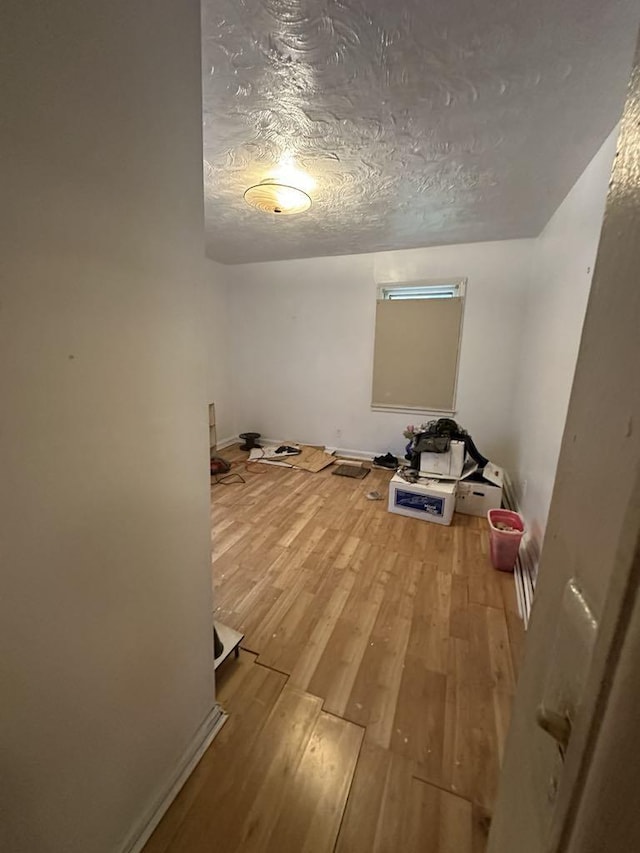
x,y
105,653
562,264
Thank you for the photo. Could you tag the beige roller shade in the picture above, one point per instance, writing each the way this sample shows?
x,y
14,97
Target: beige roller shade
x,y
415,364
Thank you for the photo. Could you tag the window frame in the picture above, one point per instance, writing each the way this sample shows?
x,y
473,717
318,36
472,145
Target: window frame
x,y
457,286
459,289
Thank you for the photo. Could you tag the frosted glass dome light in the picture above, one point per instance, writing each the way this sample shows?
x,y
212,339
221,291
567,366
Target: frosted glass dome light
x,y
270,196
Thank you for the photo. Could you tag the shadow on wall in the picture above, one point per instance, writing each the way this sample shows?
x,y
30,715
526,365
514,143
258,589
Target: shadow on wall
x,y
532,548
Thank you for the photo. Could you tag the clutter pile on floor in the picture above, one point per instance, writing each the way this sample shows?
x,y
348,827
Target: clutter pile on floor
x,y
445,472
306,457
287,455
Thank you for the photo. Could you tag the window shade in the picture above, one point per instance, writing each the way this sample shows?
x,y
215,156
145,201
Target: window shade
x,y
415,362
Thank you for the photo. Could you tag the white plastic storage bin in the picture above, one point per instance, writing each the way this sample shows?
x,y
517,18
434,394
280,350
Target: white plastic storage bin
x,y
428,500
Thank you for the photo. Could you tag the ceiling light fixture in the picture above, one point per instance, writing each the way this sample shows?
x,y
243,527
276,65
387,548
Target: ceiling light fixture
x,y
271,196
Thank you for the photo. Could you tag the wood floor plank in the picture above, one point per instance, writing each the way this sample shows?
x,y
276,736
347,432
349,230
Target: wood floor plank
x,y
479,663
390,810
399,825
229,813
499,650
258,638
484,582
340,663
235,532
442,549
418,727
310,656
459,613
456,822
374,697
480,825
471,753
276,649
502,703
285,651
430,625
439,820
317,791
281,787
515,625
249,708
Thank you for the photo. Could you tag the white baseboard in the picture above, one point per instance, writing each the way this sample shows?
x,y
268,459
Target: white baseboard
x,y
201,741
348,453
276,442
227,442
526,568
235,439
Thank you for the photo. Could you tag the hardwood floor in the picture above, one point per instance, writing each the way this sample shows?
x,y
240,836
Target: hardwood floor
x,y
369,707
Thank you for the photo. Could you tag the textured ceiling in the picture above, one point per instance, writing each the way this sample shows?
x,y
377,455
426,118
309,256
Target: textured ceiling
x,y
421,122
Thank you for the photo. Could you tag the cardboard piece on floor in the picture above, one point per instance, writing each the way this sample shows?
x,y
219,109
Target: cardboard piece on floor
x,y
256,455
312,459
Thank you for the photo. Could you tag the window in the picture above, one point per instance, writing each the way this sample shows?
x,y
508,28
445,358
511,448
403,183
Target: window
x,y
417,345
420,291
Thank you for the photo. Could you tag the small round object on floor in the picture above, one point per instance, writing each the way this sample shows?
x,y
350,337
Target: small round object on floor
x,y
250,440
374,496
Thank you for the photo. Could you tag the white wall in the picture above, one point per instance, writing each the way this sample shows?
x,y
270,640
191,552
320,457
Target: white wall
x,y
303,334
562,267
105,623
217,334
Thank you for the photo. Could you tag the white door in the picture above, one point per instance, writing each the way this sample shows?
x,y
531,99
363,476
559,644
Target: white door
x,y
587,583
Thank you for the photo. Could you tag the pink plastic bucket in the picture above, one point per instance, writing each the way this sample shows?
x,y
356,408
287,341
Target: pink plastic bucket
x,y
504,544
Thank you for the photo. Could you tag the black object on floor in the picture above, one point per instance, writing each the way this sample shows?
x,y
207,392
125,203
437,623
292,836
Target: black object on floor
x,y
353,471
218,646
388,461
219,465
250,440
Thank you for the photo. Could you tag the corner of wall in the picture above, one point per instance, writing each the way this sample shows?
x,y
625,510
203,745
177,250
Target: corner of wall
x,y
216,317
